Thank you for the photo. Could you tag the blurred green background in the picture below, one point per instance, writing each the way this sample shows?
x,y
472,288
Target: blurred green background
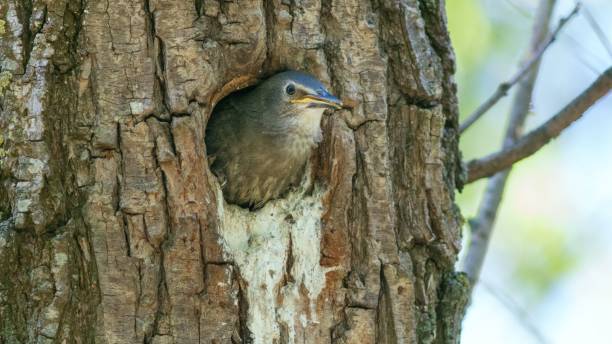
x,y
548,274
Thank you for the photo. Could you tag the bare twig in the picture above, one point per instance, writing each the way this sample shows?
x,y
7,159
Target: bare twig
x,y
586,51
519,313
540,136
482,226
524,12
598,31
533,57
587,64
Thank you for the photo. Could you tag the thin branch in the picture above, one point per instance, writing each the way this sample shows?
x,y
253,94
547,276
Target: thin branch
x,y
586,51
519,313
598,31
482,226
524,12
503,88
540,136
587,64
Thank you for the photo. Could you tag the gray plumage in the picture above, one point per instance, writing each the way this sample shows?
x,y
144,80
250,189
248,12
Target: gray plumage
x,y
260,139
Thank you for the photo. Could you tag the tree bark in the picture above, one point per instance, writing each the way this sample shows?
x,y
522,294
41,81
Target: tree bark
x,y
114,230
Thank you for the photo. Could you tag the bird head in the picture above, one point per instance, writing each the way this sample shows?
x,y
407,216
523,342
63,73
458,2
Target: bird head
x,y
300,90
295,102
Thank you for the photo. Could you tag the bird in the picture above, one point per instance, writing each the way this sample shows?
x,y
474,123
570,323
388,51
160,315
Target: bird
x,y
258,140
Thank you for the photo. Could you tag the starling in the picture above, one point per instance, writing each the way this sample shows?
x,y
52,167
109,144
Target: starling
x,y
259,139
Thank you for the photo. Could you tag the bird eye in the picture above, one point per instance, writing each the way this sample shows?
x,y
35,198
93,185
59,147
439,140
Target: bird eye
x,y
290,89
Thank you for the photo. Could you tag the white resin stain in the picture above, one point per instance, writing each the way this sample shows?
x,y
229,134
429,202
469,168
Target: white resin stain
x,y
258,243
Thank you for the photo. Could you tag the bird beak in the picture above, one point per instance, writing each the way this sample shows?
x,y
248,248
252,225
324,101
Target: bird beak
x,y
320,100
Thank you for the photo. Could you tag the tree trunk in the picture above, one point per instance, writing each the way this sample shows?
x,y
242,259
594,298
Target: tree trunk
x,y
114,230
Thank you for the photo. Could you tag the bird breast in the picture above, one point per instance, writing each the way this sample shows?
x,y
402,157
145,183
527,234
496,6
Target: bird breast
x,y
305,129
257,167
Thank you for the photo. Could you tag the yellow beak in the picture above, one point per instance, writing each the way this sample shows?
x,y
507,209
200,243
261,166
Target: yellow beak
x,y
326,100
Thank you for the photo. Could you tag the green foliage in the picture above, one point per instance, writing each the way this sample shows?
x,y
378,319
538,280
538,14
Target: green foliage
x,y
542,258
469,30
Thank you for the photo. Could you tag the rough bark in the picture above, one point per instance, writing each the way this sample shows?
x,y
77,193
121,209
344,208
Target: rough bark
x,y
113,229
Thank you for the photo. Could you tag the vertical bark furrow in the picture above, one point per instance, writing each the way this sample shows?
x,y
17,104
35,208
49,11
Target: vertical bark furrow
x,y
142,205
123,75
414,66
425,148
397,321
47,284
435,18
